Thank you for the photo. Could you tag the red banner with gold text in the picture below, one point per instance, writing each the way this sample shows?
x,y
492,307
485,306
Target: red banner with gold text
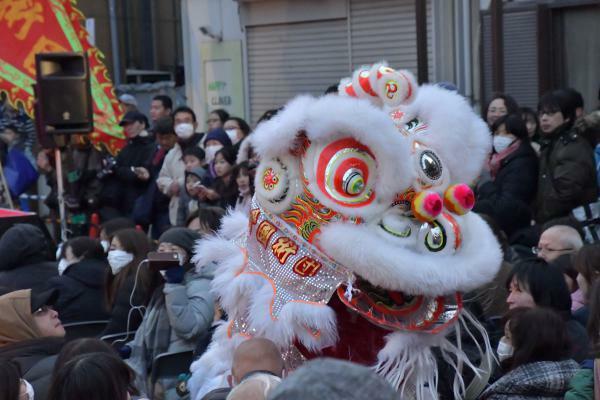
x,y
28,27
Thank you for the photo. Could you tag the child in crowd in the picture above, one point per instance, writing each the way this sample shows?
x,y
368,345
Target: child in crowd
x,y
205,220
224,191
195,165
244,178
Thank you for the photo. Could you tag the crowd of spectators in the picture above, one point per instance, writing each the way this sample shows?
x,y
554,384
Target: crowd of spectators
x,y
170,186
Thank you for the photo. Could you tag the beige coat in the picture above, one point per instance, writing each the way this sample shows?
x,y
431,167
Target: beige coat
x,y
173,170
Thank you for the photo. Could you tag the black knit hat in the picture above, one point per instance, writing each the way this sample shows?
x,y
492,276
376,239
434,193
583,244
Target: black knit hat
x,y
182,237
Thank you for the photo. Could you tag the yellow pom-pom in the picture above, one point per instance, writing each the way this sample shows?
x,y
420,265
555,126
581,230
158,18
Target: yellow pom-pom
x,y
426,206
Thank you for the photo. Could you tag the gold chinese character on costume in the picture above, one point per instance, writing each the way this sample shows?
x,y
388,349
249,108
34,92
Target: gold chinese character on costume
x,y
26,12
264,232
283,248
307,267
42,45
254,214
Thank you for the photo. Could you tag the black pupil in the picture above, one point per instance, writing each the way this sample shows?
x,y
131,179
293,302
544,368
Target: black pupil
x,y
430,164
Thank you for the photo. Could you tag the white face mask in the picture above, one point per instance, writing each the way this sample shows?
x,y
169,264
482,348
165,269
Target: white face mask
x,y
210,152
63,264
504,350
184,130
28,390
118,259
105,245
232,133
501,143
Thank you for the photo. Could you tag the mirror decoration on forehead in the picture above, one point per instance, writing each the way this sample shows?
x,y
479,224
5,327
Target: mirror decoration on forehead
x,y
361,222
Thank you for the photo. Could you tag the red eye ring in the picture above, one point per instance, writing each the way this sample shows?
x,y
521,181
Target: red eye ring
x,y
343,171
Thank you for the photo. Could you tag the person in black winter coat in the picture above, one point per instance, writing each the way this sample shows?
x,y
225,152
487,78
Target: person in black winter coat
x,y
513,168
82,269
25,260
131,174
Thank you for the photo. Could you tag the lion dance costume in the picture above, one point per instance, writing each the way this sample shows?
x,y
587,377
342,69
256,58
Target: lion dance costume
x,y
360,239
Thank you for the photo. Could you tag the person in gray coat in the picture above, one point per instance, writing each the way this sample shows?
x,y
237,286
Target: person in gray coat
x,y
179,312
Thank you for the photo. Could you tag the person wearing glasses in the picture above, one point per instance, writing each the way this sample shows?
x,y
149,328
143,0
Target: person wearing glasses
x,y
556,241
567,174
31,334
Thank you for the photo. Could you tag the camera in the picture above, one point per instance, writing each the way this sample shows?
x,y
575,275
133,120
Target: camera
x,y
163,260
109,162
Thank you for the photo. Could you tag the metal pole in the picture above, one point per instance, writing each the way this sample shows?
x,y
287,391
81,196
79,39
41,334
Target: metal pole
x,y
61,199
6,189
114,42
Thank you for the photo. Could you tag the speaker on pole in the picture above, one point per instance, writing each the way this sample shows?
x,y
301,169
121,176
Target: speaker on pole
x,y
63,98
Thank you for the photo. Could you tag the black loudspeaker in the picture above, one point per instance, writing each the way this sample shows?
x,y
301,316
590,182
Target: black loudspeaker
x,y
63,99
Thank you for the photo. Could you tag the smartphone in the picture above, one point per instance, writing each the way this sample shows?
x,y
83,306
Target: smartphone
x,y
163,260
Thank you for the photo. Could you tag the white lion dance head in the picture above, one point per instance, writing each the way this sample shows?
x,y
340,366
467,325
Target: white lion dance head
x,y
359,241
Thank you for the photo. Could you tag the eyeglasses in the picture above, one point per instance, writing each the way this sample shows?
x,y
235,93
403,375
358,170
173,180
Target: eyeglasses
x,y
42,310
537,250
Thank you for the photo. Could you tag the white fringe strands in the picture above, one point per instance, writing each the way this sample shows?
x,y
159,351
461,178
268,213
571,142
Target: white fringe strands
x,y
409,364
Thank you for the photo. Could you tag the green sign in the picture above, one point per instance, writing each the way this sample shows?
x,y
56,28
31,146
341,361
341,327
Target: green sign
x,y
223,76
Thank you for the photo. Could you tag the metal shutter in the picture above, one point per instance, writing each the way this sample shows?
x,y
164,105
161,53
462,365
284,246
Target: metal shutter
x,y
520,57
486,56
430,71
289,59
384,30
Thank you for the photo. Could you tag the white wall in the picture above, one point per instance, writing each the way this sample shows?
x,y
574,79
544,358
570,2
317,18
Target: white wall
x,y
220,17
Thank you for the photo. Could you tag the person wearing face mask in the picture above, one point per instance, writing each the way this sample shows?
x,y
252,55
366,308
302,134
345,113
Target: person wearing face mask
x,y
216,139
82,268
534,353
513,169
130,282
31,335
172,173
108,229
238,130
179,312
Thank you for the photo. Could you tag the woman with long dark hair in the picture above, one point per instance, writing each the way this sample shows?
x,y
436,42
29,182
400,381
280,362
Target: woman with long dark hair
x,y
513,169
129,284
535,354
535,283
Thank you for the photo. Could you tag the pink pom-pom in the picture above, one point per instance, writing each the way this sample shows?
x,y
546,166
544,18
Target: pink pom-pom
x,y
459,199
426,206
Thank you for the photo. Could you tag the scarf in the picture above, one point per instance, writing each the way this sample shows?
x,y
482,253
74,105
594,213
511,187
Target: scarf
x,y
543,379
496,159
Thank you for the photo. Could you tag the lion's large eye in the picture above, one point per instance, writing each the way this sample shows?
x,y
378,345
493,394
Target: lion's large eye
x,y
431,165
345,172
